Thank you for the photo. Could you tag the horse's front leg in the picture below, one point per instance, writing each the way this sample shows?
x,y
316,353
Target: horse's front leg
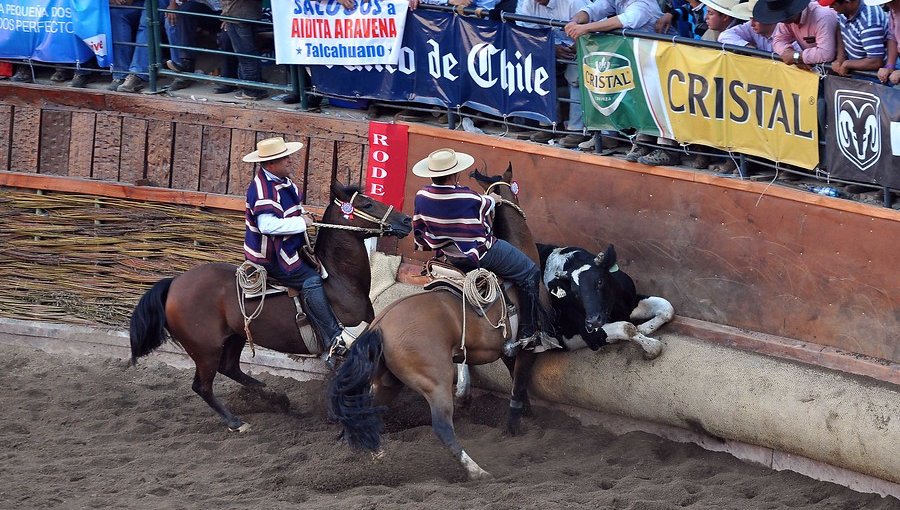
x,y
658,310
518,402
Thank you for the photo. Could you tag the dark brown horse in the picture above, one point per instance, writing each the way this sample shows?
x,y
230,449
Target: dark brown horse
x,y
200,308
413,343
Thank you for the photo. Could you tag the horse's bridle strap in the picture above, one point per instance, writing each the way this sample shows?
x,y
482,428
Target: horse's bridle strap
x,y
505,201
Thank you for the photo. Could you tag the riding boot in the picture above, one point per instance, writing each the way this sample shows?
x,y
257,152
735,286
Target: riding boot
x,y
528,337
322,318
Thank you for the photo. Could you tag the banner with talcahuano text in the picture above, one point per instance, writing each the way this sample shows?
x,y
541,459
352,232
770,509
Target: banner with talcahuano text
x,y
386,169
863,139
453,61
698,95
313,32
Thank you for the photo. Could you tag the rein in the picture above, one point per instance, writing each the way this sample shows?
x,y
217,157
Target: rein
x,y
505,201
383,226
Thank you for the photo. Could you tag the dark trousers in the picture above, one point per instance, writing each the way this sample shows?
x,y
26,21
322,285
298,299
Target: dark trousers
x,y
243,40
310,285
184,31
510,263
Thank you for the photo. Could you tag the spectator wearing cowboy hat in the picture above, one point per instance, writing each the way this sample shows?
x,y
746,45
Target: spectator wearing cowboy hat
x,y
808,24
752,34
457,223
274,237
862,36
889,72
719,17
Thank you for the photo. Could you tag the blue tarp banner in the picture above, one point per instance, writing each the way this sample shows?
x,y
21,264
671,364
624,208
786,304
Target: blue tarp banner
x,y
452,61
62,31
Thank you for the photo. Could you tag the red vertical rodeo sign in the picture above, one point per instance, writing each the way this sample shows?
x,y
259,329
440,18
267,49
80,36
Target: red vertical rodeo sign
x,y
386,170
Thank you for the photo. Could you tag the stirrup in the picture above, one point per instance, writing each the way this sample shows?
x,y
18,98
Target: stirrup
x,y
511,347
338,350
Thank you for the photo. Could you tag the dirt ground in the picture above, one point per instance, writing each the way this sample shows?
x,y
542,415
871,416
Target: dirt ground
x,y
82,432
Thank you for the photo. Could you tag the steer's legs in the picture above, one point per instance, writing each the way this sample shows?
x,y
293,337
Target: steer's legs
x,y
658,310
624,330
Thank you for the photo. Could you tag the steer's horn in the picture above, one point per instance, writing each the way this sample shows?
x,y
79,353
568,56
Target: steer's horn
x,y
599,258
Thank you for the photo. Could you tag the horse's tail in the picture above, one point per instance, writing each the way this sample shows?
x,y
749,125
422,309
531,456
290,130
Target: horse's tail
x,y
148,321
350,394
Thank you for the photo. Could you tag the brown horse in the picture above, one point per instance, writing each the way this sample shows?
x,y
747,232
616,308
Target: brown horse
x,y
200,307
413,343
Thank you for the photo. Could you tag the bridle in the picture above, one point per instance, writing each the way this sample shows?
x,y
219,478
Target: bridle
x,y
383,226
505,201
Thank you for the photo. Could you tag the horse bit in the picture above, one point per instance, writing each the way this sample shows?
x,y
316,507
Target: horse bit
x,y
383,226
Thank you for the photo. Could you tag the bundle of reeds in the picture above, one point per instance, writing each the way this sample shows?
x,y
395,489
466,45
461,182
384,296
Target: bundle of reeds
x,y
87,259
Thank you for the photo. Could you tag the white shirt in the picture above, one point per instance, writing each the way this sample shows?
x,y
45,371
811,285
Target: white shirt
x,y
269,224
555,10
633,14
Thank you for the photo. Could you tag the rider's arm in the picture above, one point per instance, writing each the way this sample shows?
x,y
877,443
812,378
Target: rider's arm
x,y
270,224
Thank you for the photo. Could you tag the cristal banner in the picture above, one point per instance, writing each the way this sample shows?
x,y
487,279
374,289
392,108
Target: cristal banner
x,y
863,139
455,61
698,95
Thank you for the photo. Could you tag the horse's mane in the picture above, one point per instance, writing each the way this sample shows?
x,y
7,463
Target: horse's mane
x,y
480,177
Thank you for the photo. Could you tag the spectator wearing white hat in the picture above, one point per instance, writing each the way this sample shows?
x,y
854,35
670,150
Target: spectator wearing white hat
x,y
752,34
719,17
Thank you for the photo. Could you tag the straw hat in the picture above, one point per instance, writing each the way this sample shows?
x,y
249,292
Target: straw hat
x,y
724,6
744,10
443,162
776,11
272,148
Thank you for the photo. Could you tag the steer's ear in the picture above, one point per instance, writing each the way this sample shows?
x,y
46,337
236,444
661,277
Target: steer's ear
x,y
607,259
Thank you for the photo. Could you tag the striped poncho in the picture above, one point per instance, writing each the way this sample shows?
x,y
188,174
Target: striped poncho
x,y
268,194
454,221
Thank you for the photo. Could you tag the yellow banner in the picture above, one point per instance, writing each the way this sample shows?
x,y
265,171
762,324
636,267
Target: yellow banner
x,y
740,103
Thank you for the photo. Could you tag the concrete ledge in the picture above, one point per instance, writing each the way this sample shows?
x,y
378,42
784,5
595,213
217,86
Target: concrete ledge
x,y
635,390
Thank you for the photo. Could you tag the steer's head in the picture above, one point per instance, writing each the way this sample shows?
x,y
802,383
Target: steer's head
x,y
587,283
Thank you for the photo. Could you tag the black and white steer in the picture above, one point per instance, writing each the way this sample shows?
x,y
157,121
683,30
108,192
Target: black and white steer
x,y
596,302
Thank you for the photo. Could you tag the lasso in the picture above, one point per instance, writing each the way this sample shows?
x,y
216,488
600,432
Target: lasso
x,y
482,287
250,279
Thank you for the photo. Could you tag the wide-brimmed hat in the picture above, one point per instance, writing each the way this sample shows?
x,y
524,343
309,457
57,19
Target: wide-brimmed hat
x,y
726,7
744,10
272,148
876,3
443,162
776,11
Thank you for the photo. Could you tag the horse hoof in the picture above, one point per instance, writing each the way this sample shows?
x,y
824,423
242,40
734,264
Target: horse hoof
x,y
480,475
376,456
244,427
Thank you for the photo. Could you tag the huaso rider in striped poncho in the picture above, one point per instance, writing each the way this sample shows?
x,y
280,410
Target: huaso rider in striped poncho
x,y
456,222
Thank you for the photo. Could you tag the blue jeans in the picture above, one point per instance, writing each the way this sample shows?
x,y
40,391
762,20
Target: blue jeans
x,y
140,62
319,311
184,31
243,40
124,27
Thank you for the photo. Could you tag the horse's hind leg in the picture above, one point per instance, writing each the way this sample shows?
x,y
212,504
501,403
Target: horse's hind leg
x,y
658,310
203,379
441,402
230,362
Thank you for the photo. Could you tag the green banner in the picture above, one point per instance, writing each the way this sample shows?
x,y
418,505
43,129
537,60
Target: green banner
x,y
613,93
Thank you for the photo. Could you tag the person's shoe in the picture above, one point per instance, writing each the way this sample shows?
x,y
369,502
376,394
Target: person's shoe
x,y
337,351
115,84
726,167
412,116
290,98
180,83
251,95
132,83
60,75
542,137
661,157
573,141
372,111
182,67
23,75
224,89
698,161
637,152
80,81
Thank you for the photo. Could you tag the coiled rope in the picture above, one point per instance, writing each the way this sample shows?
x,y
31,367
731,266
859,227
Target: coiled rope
x,y
482,287
250,278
